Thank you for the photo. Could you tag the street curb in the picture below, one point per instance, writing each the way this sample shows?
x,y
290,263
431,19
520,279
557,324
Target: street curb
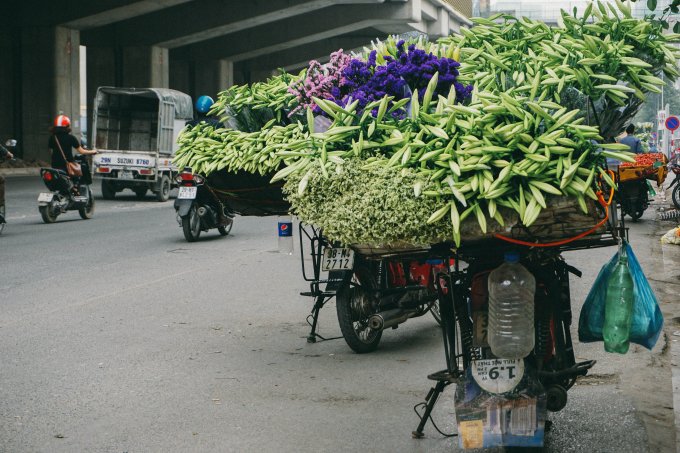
x,y
28,171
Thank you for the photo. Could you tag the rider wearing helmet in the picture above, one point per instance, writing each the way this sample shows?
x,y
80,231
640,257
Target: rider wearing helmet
x,y
203,105
60,141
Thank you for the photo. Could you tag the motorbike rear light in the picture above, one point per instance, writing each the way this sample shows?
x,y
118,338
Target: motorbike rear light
x,y
145,172
104,170
48,176
198,179
186,176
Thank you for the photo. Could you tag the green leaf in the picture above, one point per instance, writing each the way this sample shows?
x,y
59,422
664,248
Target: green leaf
x,y
676,27
664,24
656,23
651,4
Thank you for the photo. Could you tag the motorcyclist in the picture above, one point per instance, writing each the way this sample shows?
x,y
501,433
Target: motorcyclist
x,y
203,105
6,155
61,135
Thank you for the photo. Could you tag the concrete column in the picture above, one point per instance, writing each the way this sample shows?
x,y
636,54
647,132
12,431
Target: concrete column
x,y
7,94
50,84
198,78
67,75
145,67
226,75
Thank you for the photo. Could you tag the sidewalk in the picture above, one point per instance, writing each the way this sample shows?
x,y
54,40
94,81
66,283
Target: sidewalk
x,y
666,284
27,171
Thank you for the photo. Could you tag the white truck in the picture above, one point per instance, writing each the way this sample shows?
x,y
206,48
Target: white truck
x,y
135,131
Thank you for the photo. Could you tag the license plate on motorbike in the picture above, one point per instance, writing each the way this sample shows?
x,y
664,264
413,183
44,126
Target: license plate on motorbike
x,y
480,325
47,197
125,175
338,259
187,193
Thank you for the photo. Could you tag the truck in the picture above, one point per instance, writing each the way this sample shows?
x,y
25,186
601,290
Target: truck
x,y
135,131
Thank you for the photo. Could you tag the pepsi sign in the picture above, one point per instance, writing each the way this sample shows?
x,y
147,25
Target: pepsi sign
x,y
285,229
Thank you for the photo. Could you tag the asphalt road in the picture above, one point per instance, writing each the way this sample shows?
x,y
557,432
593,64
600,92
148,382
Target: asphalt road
x,y
117,335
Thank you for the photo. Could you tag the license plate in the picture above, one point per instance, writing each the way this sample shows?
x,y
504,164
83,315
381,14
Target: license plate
x,y
45,197
187,193
481,328
125,175
338,260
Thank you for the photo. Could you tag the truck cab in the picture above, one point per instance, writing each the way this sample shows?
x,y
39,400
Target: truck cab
x,y
135,131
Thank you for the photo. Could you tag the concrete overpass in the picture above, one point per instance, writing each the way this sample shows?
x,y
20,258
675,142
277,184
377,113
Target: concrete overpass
x,y
195,46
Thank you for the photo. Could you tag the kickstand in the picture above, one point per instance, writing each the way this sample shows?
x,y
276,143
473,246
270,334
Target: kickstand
x,y
318,305
443,379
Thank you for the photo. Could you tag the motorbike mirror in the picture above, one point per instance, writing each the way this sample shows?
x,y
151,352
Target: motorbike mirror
x,y
11,143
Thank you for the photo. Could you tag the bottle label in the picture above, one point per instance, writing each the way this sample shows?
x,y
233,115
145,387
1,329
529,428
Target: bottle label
x,y
285,229
498,375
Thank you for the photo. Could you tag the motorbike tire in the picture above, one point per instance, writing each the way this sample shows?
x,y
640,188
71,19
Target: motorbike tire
x,y
88,211
164,190
224,231
47,213
353,324
108,190
637,213
191,224
676,196
141,192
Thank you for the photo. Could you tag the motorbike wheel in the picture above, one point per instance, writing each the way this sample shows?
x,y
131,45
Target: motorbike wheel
x,y
191,224
676,196
637,212
224,231
108,190
354,306
88,211
47,213
164,191
141,192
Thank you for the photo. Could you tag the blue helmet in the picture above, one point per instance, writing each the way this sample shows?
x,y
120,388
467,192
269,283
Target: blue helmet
x,y
204,103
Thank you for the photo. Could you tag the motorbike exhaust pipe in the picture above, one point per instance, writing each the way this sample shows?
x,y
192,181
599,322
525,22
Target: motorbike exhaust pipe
x,y
390,318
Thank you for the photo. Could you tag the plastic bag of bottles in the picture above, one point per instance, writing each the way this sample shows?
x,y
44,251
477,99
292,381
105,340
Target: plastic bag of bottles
x,y
647,317
672,237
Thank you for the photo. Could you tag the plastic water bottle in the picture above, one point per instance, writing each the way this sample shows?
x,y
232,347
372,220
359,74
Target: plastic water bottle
x,y
511,309
618,312
286,234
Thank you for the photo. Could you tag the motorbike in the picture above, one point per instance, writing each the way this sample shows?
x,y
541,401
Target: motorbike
x,y
674,166
62,196
634,197
11,147
372,294
197,207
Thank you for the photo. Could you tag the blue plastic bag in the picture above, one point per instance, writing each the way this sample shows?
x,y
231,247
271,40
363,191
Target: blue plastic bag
x,y
647,318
